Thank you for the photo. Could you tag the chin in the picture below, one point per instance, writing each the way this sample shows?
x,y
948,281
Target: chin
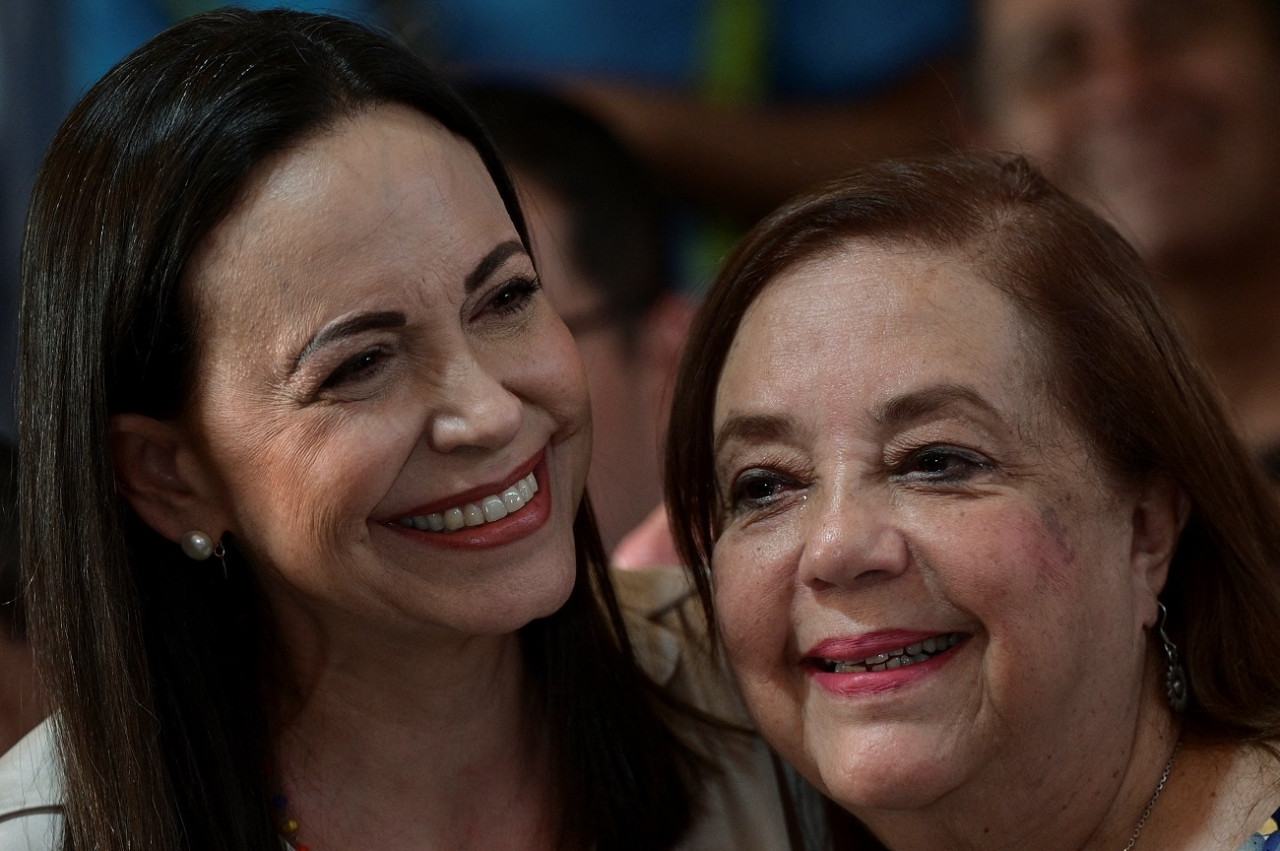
x,y
889,775
522,605
868,793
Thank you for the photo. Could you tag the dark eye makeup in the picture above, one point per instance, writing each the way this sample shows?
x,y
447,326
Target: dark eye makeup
x,y
364,365
513,296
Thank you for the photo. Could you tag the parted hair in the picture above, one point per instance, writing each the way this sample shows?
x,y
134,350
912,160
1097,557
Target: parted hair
x,y
163,676
1113,359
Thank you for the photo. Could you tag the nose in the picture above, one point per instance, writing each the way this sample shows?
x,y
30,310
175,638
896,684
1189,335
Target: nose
x,y
853,540
475,410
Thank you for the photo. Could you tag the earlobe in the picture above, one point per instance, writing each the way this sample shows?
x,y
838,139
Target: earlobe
x,y
1159,516
157,474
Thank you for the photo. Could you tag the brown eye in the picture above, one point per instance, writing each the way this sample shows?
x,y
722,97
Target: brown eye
x,y
513,297
364,365
941,464
757,489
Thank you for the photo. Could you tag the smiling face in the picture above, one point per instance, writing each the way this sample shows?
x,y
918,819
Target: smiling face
x,y
923,580
377,366
1161,111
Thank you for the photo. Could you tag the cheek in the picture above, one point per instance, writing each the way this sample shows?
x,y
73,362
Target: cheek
x,y
993,558
556,380
550,377
309,487
1044,587
753,590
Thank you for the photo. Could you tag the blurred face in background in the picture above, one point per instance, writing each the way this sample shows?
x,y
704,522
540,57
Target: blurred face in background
x,y
628,370
1162,113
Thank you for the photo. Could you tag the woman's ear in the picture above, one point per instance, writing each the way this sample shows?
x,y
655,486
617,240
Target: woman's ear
x,y
1160,514
162,478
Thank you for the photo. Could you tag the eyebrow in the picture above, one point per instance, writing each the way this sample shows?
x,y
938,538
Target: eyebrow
x,y
379,320
896,412
348,327
919,404
752,428
490,263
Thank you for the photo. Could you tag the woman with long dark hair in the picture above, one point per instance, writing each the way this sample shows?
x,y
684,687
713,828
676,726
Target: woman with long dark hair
x,y
303,460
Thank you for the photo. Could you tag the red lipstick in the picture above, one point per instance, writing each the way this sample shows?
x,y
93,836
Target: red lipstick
x,y
519,524
879,662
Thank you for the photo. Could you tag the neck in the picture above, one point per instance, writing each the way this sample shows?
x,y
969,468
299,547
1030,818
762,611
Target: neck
x,y
1061,797
440,729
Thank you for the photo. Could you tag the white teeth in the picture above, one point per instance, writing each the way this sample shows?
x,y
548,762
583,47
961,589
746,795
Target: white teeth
x,y
898,658
512,499
486,510
494,508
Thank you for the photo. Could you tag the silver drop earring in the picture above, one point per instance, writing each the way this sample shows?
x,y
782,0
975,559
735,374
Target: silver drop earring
x,y
1175,684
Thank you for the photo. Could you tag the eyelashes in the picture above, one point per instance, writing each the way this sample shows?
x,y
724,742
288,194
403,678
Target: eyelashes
x,y
771,486
363,366
940,464
509,302
512,297
758,489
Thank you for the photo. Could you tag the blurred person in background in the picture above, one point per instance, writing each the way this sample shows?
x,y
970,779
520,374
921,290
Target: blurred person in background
x,y
1165,116
600,227
736,104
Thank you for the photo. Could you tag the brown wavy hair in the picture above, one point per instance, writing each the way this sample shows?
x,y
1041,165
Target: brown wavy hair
x,y
1114,361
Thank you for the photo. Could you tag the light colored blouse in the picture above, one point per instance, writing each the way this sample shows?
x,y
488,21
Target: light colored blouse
x,y
741,807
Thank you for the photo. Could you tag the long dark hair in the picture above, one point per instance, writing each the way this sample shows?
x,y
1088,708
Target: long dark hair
x,y
1111,354
157,671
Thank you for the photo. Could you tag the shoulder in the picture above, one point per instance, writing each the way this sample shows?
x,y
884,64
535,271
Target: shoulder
x,y
1267,837
31,793
669,634
745,795
1263,786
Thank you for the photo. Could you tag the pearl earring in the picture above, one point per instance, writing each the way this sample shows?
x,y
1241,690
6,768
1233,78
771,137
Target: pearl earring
x,y
197,545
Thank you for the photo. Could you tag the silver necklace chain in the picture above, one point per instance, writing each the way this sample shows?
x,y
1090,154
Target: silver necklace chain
x,y
1146,813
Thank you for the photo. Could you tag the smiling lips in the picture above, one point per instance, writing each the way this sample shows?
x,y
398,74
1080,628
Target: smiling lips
x,y
488,509
898,657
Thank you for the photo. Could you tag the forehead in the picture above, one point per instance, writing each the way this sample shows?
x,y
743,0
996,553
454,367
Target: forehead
x,y
388,202
871,318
